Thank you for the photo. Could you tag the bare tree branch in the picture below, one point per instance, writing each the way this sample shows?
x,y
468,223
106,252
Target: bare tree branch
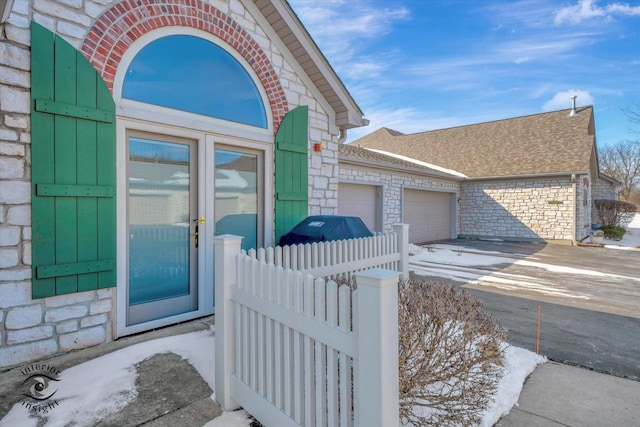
x,y
622,162
632,112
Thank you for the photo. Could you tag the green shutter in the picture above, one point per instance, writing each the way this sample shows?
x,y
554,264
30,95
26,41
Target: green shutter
x,y
291,170
73,170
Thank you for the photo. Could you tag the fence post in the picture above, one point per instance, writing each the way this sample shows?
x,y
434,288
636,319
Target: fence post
x,y
226,248
402,231
377,400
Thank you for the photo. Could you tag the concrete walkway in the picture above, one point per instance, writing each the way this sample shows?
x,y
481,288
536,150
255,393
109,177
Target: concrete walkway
x,y
562,395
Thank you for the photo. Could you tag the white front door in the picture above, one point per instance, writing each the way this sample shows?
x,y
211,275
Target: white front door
x,y
177,189
163,226
164,236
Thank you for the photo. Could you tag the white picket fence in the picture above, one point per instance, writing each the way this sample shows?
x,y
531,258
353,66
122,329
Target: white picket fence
x,y
295,350
343,257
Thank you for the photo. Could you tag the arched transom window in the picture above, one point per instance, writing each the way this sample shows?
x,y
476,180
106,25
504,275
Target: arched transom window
x,y
191,74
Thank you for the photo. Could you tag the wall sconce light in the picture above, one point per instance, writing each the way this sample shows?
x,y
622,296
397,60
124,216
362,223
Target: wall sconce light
x,y
317,147
5,10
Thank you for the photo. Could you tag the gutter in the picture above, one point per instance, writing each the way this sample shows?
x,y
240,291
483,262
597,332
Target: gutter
x,y
540,175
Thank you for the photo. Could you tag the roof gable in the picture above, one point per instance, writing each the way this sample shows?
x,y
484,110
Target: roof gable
x,y
547,143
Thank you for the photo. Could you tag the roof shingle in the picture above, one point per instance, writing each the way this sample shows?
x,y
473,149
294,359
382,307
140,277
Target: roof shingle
x,y
354,152
546,143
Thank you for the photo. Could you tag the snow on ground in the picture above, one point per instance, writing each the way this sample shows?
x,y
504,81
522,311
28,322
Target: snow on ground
x,y
630,240
518,364
481,267
100,387
477,267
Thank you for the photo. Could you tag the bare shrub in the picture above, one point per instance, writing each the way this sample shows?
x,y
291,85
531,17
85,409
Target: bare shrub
x,y
614,212
450,355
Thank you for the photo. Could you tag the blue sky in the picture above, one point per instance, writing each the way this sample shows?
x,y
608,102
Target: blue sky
x,y
416,65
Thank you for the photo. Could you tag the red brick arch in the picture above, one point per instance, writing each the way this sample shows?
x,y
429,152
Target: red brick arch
x,y
124,23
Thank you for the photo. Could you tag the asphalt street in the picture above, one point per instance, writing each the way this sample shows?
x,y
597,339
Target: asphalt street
x,y
589,298
601,341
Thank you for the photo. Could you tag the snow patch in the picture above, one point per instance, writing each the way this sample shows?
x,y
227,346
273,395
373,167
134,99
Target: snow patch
x,y
630,240
519,363
419,162
99,388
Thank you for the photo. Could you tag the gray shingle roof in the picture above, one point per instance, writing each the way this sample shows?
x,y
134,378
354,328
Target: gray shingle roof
x,y
352,151
546,143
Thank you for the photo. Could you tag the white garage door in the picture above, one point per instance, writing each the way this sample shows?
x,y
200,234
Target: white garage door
x,y
428,214
359,200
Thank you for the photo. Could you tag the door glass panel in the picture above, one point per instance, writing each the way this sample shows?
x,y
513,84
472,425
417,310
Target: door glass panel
x,y
159,220
236,195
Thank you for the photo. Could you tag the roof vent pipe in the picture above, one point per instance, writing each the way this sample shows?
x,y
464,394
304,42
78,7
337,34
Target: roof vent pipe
x,y
573,106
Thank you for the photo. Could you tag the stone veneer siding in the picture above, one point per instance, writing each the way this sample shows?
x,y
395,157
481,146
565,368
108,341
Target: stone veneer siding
x,y
527,209
393,183
605,190
602,190
103,29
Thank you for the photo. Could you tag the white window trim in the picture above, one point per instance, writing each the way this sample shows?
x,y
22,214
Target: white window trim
x,y
140,110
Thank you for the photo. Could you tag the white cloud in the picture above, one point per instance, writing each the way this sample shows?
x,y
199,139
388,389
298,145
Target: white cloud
x,y
588,9
348,33
517,15
413,120
562,100
338,26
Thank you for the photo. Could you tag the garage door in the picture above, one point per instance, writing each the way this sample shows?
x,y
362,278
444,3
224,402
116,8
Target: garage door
x,y
428,214
359,200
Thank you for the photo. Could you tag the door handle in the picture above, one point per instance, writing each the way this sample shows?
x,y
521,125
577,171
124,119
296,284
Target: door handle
x,y
195,230
195,235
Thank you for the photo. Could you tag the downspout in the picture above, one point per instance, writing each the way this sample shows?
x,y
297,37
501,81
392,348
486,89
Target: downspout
x,y
574,242
342,136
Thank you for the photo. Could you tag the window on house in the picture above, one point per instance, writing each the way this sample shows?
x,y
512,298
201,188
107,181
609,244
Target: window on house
x,y
191,74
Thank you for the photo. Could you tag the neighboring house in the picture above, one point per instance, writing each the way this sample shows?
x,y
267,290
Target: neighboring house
x,y
132,133
384,190
606,188
528,178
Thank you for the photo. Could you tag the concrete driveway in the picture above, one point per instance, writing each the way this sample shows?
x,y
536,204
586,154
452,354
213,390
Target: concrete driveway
x,y
601,279
589,297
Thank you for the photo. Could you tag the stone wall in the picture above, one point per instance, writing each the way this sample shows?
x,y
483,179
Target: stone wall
x,y
602,190
33,329
605,190
530,209
392,183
